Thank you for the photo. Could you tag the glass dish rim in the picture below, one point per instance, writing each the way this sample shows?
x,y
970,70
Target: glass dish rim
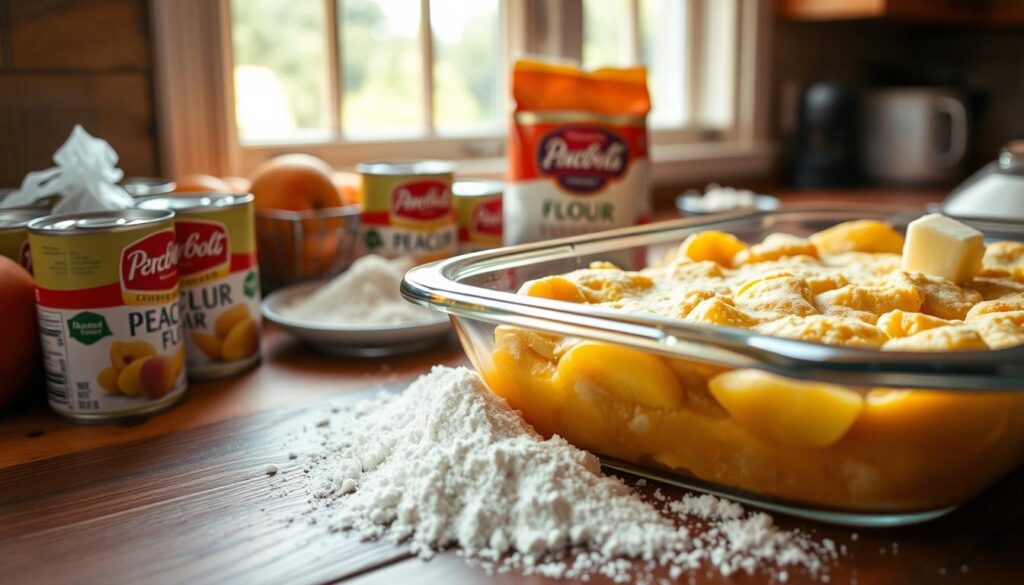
x,y
437,285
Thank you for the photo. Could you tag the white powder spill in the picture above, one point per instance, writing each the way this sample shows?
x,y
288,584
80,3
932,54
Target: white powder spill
x,y
366,293
446,464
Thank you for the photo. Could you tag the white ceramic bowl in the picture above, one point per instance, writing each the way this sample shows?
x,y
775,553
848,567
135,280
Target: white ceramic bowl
x,y
689,204
353,340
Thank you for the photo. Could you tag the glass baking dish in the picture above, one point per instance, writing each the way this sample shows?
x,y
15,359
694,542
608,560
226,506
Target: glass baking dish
x,y
911,455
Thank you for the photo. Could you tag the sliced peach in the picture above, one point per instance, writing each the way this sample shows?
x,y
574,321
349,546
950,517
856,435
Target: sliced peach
x,y
632,375
865,235
210,345
242,341
123,353
229,318
787,412
936,421
718,247
557,288
526,379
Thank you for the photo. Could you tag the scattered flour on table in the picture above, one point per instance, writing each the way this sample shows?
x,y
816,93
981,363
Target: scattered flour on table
x,y
446,464
365,293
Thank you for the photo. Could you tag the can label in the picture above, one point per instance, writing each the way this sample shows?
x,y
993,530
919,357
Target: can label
x,y
14,245
410,215
110,320
480,226
220,294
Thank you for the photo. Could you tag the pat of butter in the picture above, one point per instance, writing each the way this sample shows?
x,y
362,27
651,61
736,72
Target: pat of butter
x,y
943,247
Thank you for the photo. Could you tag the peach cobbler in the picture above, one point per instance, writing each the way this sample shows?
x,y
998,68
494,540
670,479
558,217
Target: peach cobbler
x,y
855,284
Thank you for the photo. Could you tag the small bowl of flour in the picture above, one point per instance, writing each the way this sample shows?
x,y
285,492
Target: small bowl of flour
x,y
359,312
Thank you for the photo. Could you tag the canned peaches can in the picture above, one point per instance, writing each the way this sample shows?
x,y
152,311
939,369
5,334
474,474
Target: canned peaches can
x,y
408,209
478,205
109,313
14,234
220,292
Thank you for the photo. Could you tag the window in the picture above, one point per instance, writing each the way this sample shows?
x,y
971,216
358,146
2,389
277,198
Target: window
x,y
688,46
309,70
351,80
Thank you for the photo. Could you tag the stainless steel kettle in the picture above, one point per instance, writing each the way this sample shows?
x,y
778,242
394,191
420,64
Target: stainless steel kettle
x,y
995,191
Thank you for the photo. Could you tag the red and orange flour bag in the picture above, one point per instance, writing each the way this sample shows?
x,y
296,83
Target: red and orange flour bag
x,y
577,151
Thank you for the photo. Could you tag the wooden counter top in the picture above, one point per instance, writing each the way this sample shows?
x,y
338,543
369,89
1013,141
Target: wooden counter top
x,y
184,497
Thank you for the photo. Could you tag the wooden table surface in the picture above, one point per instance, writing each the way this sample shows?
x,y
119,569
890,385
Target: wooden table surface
x,y
184,496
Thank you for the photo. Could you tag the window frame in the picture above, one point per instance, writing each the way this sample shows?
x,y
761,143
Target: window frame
x,y
193,49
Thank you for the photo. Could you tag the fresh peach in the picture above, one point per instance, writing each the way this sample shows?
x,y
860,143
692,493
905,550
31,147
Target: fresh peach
x,y
200,183
242,341
319,253
238,184
349,186
296,182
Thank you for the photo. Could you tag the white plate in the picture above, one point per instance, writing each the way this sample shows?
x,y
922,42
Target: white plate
x,y
357,340
691,205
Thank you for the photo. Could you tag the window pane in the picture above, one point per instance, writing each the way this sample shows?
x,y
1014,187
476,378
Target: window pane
x,y
663,42
280,53
467,44
382,68
718,85
606,34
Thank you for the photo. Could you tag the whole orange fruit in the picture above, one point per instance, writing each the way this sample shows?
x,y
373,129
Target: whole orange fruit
x,y
295,182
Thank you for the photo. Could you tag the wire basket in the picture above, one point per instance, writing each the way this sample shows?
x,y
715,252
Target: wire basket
x,y
296,246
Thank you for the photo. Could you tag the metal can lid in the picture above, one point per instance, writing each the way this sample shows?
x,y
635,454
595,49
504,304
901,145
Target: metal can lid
x,y
146,186
194,202
18,217
406,167
477,187
91,222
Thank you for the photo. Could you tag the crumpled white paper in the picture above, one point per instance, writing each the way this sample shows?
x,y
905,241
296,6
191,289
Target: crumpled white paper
x,y
86,178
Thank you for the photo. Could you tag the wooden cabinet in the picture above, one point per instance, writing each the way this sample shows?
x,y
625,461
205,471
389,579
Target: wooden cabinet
x,y
964,12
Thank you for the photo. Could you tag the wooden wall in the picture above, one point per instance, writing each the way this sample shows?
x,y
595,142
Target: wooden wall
x,y
64,62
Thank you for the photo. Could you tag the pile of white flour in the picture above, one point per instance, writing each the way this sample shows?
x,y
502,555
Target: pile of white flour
x,y
366,293
447,464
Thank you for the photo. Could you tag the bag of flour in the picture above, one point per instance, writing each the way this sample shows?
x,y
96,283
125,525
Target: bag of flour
x,y
577,151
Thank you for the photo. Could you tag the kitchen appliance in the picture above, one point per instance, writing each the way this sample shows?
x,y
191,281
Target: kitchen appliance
x,y
997,190
825,149
478,291
914,136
